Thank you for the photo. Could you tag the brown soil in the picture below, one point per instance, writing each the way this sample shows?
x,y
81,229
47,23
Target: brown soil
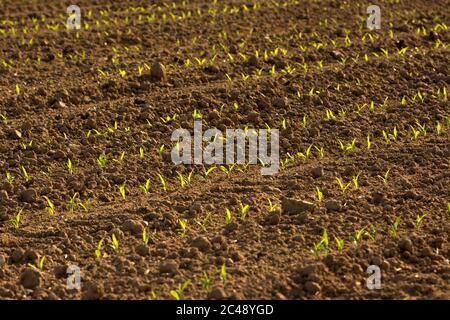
x,y
54,94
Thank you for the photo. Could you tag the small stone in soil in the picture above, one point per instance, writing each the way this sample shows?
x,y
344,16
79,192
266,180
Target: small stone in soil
x,y
202,243
30,278
168,266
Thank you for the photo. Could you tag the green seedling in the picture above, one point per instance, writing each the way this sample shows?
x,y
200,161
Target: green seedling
x,y
207,172
385,178
342,185
41,263
438,128
102,160
227,216
322,245
69,166
339,243
204,223
244,211
16,221
122,191
178,294
319,194
355,180
85,205
25,174
113,128
272,206
50,206
71,203
419,220
223,273
115,242
206,281
9,178
369,143
303,123
145,236
185,182
422,128
329,115
415,132
228,169
160,150
358,235
306,154
98,250
163,182
4,118
141,153
145,188
394,227
183,227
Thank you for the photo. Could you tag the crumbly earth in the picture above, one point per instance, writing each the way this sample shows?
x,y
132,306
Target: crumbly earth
x,y
136,71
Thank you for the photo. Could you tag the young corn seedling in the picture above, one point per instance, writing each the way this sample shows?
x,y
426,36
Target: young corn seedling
x,y
322,245
385,178
206,281
69,166
306,154
50,206
394,227
227,216
71,204
141,153
9,178
160,150
343,186
85,205
145,236
16,221
228,169
102,160
145,188
419,220
422,128
204,224
207,172
272,206
4,118
304,121
321,152
339,243
98,250
319,194
183,227
25,174
355,180
415,132
329,115
223,273
122,191
41,263
114,243
178,294
358,235
163,182
369,143
244,211
438,128
347,147
185,182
